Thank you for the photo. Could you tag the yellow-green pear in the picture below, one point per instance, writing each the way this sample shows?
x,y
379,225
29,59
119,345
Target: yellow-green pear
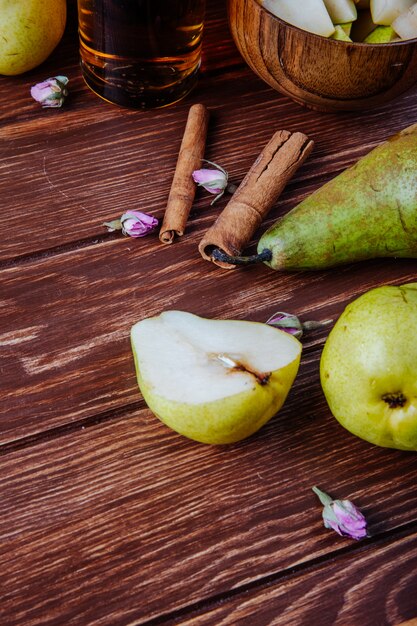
x,y
29,31
366,212
368,367
214,381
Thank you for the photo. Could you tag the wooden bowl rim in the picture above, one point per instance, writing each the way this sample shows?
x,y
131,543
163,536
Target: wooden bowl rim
x,y
403,42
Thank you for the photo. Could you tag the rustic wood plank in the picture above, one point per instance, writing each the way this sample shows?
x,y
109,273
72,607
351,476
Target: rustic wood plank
x,y
70,170
124,521
367,587
65,319
93,162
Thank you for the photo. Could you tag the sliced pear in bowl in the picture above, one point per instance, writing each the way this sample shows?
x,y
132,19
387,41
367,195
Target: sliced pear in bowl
x,y
214,381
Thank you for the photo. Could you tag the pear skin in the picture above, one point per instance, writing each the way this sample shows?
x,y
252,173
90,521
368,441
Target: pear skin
x,y
381,34
368,211
340,34
368,367
346,27
29,32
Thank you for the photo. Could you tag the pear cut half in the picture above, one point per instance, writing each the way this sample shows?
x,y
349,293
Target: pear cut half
x,y
214,381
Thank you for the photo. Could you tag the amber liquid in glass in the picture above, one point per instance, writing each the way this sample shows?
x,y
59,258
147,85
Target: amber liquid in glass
x,y
140,53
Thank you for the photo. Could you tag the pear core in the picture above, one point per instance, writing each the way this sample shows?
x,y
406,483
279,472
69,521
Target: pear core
x,y
223,357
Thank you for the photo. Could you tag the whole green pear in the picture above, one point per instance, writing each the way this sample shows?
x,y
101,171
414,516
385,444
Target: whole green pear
x,y
29,31
368,367
368,211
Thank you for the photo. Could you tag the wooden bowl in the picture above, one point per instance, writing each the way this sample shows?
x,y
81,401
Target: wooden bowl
x,y
320,73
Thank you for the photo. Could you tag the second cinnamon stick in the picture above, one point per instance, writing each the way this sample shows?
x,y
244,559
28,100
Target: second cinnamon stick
x,y
256,195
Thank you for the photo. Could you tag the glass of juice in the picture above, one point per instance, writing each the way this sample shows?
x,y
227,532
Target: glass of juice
x,y
141,53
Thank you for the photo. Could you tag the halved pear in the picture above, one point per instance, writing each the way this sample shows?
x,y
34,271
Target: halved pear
x,y
214,381
313,15
341,11
406,24
384,12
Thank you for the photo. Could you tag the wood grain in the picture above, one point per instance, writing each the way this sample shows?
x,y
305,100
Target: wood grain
x,y
65,319
106,516
339,594
125,521
126,159
319,72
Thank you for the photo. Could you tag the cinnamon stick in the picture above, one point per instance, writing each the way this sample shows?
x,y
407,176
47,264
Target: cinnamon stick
x,y
181,196
255,196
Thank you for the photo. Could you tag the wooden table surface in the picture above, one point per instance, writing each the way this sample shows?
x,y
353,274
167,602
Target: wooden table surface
x,y
106,516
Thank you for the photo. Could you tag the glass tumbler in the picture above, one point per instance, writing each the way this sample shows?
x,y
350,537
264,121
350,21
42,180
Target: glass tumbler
x,y
140,53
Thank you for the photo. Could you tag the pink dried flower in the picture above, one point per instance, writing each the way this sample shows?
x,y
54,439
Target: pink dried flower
x,y
288,322
134,224
51,93
292,325
214,181
342,516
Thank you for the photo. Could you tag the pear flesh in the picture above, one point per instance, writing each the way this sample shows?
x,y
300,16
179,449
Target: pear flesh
x,y
341,11
312,17
368,367
366,212
384,12
214,381
406,24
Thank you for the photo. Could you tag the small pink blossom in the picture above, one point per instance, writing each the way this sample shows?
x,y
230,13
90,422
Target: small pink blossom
x,y
134,224
214,181
292,325
51,93
342,516
287,322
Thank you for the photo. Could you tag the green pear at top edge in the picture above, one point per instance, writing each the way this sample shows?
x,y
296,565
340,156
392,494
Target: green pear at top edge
x,y
368,367
214,381
368,211
29,31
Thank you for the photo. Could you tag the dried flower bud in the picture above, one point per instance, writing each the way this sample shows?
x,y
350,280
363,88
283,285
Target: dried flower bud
x,y
214,181
342,516
288,322
134,224
51,93
291,324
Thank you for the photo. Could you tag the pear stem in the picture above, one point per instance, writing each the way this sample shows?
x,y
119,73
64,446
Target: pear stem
x,y
220,255
313,325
